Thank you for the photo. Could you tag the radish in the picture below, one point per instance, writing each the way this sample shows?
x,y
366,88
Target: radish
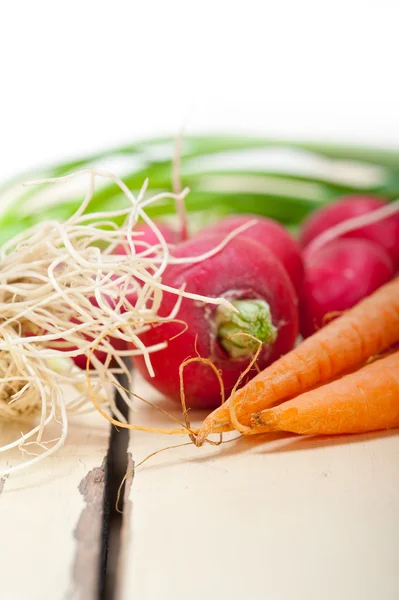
x,y
149,237
338,276
141,243
247,274
384,232
117,343
270,234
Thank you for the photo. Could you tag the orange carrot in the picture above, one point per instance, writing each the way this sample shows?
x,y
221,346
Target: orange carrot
x,y
366,400
341,346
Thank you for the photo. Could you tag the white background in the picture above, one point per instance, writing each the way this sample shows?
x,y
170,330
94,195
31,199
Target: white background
x,y
81,75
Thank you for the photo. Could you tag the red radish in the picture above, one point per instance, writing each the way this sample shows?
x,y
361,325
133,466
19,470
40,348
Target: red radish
x,y
149,237
338,276
270,234
81,360
384,232
171,236
244,272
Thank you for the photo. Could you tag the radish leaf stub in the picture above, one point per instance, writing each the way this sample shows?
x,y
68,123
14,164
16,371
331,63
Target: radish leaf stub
x,y
253,318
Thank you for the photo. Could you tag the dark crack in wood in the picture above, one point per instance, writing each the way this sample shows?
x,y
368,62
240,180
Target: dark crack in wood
x,y
126,529
116,468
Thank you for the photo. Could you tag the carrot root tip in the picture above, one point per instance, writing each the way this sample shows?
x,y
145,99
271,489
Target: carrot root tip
x,y
256,420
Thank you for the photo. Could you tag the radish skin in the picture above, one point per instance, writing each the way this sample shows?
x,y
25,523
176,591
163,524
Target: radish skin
x,y
338,276
271,235
243,270
385,232
148,238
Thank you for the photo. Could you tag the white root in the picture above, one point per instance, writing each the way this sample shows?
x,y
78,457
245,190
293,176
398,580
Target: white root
x,y
62,288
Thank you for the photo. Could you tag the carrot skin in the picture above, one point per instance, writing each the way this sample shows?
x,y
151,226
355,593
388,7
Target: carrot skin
x,y
366,400
343,345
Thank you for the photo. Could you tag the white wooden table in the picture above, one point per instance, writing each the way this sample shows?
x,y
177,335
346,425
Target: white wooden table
x,y
51,518
276,518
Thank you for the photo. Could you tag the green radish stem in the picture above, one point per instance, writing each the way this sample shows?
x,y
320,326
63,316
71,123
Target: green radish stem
x,y
253,318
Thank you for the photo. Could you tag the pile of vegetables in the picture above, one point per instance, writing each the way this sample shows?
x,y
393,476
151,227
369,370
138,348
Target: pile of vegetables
x,y
272,299
79,292
304,391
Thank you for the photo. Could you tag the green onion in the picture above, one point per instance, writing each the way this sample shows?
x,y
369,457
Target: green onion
x,y
225,175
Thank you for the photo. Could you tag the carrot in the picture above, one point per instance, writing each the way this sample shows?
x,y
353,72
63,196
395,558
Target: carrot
x,y
366,400
341,346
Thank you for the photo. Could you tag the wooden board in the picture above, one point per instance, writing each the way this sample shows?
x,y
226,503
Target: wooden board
x,y
51,518
274,518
